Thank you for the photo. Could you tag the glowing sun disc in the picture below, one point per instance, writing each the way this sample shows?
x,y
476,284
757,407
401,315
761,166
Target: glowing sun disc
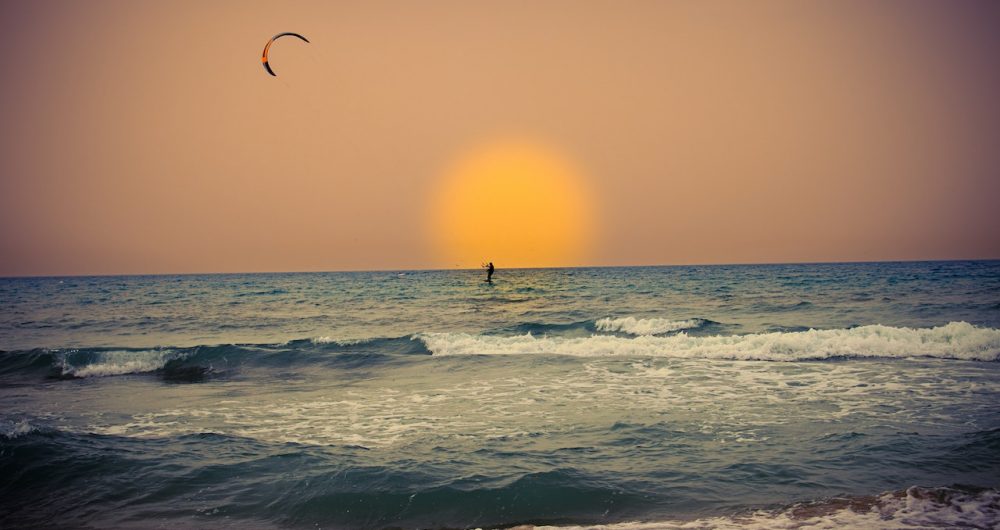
x,y
517,204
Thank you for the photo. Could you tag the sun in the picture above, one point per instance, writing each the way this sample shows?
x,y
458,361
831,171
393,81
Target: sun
x,y
515,203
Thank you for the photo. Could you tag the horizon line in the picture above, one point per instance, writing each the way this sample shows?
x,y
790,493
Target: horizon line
x,y
397,270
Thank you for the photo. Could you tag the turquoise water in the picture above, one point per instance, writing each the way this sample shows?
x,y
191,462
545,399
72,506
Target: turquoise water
x,y
646,397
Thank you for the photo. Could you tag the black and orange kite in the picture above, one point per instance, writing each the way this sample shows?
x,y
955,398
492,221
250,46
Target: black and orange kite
x,y
268,47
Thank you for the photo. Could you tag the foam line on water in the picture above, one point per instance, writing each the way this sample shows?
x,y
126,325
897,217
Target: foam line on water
x,y
645,326
956,340
340,342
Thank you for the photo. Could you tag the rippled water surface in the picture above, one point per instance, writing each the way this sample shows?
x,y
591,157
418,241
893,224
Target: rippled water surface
x,y
673,397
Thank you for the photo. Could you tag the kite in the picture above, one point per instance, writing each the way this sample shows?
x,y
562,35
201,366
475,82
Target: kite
x,y
268,47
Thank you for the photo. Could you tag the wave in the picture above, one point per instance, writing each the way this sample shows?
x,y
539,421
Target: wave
x,y
11,429
344,486
62,476
115,362
646,326
198,363
956,340
341,487
94,362
915,507
339,342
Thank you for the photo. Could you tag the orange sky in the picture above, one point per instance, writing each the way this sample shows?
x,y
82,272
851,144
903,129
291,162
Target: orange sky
x,y
143,137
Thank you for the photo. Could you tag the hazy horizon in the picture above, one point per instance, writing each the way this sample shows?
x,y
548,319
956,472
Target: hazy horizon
x,y
148,139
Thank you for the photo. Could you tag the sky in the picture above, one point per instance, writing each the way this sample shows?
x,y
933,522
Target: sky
x,y
146,137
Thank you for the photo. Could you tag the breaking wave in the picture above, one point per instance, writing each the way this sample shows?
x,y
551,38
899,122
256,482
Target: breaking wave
x,y
339,342
11,429
115,362
646,326
195,364
956,340
915,507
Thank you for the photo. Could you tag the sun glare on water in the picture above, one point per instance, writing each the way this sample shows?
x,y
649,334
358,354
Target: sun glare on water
x,y
516,204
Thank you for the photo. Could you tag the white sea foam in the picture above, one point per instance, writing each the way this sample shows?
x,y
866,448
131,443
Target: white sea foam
x,y
338,342
645,326
915,508
119,362
15,429
530,404
956,340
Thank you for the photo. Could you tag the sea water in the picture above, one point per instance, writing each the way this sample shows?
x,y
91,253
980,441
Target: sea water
x,y
823,395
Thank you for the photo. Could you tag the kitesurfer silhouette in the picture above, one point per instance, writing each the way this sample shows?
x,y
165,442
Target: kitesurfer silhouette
x,y
489,272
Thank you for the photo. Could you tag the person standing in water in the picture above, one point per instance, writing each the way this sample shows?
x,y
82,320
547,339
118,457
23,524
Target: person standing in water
x,y
489,272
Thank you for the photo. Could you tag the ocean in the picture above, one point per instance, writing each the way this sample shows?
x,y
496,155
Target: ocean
x,y
817,395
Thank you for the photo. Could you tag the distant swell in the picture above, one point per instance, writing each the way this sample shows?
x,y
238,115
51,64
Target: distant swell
x,y
956,340
646,326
